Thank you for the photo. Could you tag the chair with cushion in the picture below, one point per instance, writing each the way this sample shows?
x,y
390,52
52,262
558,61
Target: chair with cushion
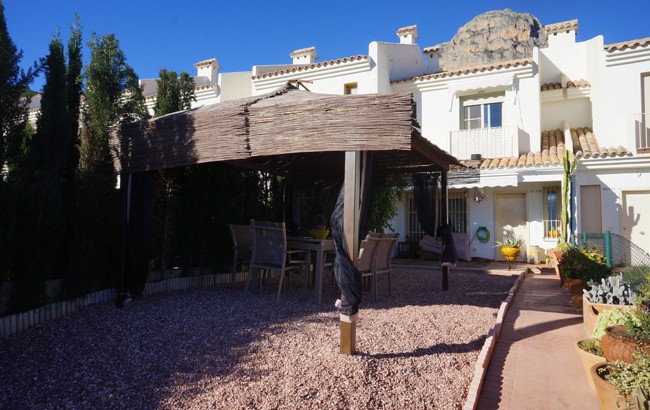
x,y
242,247
270,253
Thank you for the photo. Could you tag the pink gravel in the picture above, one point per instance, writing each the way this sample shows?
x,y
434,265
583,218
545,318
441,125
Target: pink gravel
x,y
222,348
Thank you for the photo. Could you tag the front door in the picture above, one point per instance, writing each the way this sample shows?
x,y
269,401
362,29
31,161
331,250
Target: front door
x,y
510,219
635,219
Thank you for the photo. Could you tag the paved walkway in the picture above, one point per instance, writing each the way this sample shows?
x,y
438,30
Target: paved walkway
x,y
534,364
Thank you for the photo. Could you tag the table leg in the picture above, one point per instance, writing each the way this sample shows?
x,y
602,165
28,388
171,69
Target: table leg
x,y
318,268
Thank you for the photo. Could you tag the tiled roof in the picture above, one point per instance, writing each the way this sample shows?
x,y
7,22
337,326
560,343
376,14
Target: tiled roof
x,y
303,52
469,70
569,84
205,62
432,48
562,26
642,42
298,68
585,145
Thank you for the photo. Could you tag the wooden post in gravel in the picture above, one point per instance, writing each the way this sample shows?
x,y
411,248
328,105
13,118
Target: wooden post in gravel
x,y
350,239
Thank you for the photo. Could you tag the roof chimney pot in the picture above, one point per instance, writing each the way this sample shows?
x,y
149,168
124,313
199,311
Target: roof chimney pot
x,y
304,56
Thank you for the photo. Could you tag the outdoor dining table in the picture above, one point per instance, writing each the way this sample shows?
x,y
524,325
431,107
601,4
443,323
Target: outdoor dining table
x,y
319,246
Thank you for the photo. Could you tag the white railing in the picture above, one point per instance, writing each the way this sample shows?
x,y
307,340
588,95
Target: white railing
x,y
489,142
552,229
642,131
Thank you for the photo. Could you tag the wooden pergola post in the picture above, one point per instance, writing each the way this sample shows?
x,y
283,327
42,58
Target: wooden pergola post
x,y
351,187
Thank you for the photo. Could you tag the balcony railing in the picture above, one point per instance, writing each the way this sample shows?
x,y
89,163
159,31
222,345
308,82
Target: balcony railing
x,y
489,142
642,131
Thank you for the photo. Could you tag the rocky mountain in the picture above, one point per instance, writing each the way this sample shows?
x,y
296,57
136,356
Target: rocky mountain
x,y
495,36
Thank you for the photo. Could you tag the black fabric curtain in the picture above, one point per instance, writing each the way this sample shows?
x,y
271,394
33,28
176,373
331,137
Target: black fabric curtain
x,y
425,189
348,277
138,196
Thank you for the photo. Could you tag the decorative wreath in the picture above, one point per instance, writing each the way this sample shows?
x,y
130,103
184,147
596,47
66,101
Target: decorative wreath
x,y
482,234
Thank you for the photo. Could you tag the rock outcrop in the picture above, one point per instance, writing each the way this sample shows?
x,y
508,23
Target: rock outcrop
x,y
495,36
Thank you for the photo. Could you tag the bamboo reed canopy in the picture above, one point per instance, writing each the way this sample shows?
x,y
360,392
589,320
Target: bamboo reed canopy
x,y
289,132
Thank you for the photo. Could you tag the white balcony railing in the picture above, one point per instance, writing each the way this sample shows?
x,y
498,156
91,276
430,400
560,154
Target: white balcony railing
x,y
642,131
489,142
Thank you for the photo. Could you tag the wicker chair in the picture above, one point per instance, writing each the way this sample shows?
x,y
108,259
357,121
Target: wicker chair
x,y
366,260
270,253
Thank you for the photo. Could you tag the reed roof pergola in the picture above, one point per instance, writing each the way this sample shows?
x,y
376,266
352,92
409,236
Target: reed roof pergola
x,y
290,132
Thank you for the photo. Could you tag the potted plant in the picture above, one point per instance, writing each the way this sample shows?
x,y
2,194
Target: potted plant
x,y
610,293
510,247
623,385
319,230
622,341
589,350
578,266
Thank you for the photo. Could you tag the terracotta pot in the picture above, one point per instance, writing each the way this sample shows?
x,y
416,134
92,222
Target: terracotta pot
x,y
588,360
605,391
617,344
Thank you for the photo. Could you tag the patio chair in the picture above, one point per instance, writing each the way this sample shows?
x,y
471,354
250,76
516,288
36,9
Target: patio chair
x,y
270,253
366,259
242,247
382,259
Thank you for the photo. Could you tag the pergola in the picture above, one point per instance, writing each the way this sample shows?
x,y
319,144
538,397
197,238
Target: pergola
x,y
297,134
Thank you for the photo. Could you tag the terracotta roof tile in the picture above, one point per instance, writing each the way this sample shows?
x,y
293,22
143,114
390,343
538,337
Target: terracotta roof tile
x,y
642,42
561,26
298,68
469,70
570,84
205,62
585,145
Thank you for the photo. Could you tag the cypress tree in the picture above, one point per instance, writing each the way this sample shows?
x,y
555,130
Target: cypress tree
x,y
14,83
74,89
186,86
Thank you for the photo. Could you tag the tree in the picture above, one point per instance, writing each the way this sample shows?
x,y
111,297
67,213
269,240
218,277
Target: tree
x,y
174,93
14,83
74,89
112,97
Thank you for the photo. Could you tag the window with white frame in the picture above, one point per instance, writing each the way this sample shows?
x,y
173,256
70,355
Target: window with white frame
x,y
485,111
552,207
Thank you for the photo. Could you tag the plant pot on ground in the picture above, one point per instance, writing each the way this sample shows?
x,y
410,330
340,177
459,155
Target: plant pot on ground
x,y
590,353
610,293
510,247
608,398
630,382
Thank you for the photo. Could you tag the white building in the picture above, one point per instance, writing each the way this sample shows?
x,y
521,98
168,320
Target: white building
x,y
519,116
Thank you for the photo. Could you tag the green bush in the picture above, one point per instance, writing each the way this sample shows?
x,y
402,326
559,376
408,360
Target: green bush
x,y
612,317
586,263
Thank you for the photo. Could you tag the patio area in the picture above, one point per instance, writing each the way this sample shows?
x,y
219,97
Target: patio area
x,y
219,347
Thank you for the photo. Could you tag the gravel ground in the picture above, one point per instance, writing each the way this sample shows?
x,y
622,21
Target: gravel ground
x,y
223,348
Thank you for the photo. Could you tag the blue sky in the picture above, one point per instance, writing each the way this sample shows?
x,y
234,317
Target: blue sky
x,y
240,34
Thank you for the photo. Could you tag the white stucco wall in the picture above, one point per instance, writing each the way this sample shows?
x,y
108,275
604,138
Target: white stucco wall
x,y
234,85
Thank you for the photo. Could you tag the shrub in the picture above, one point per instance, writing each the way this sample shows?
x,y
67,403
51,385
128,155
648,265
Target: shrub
x,y
586,263
612,317
632,380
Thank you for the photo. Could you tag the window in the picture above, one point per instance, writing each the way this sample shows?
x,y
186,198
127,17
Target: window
x,y
350,89
457,210
482,112
552,208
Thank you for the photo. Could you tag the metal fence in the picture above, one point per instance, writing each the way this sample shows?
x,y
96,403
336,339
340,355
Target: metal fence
x,y
622,255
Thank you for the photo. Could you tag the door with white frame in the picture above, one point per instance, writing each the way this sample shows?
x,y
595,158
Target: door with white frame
x,y
511,219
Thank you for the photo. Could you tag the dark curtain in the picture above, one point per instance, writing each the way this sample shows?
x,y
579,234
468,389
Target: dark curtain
x,y
347,275
425,189
138,194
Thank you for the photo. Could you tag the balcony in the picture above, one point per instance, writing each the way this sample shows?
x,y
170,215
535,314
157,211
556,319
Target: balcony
x,y
642,132
489,142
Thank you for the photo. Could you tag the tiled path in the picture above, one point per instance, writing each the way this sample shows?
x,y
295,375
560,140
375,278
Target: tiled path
x,y
534,364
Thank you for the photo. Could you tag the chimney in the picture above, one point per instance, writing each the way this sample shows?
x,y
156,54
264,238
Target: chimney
x,y
432,59
407,35
208,68
304,56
